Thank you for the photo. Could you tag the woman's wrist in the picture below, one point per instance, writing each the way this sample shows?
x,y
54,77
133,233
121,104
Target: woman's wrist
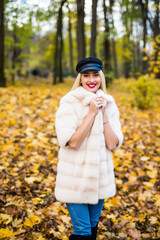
x,y
105,119
92,114
106,122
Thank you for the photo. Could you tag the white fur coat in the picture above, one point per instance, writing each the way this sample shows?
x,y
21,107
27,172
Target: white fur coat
x,y
87,174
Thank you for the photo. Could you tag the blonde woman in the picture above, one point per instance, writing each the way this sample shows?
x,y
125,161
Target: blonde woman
x,y
88,129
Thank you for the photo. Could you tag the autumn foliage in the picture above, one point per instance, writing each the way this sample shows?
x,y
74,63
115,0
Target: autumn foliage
x,y
28,157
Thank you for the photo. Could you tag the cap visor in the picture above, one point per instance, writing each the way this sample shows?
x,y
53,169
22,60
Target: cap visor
x,y
96,68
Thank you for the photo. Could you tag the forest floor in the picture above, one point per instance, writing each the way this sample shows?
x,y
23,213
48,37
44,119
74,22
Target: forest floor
x,y
29,156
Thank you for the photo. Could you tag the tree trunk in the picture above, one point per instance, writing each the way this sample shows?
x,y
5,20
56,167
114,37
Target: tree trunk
x,y
14,56
126,43
156,20
107,56
56,56
59,47
113,42
144,9
93,29
80,29
115,58
70,43
2,76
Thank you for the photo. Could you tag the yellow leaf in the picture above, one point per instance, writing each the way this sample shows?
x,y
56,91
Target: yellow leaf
x,y
134,174
144,158
64,210
61,228
157,203
145,195
132,179
6,218
13,121
152,174
41,238
138,73
64,238
148,184
119,152
30,179
153,180
54,141
152,75
119,181
28,223
38,178
146,236
127,217
16,223
113,217
145,58
144,49
36,166
34,218
107,205
56,234
156,70
131,225
5,232
153,220
36,200
65,219
157,38
154,45
141,217
6,180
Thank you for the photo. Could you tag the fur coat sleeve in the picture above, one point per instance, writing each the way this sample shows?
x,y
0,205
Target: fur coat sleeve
x,y
66,123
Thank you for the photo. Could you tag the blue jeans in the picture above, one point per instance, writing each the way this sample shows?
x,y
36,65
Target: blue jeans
x,y
84,216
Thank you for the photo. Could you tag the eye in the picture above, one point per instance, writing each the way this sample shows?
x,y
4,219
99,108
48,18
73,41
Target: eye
x,y
96,74
86,75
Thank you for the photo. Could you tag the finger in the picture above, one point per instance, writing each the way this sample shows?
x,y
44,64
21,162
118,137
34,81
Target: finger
x,y
98,105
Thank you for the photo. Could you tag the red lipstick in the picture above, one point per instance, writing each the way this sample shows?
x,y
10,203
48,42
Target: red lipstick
x,y
91,85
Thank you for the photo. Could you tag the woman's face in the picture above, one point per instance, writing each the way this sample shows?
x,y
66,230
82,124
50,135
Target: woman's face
x,y
91,80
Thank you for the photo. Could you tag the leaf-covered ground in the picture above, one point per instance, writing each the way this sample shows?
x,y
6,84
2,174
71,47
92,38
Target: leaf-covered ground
x,y
28,159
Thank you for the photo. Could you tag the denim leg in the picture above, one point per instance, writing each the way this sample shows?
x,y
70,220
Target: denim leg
x,y
95,212
80,218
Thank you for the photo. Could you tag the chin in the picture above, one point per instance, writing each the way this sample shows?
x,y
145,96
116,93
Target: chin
x,y
92,89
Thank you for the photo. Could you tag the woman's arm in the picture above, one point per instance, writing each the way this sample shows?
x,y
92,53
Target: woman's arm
x,y
111,139
82,131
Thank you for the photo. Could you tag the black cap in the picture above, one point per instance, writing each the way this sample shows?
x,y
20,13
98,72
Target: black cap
x,y
90,63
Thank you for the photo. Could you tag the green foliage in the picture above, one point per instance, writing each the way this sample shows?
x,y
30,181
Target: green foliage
x,y
143,92
154,58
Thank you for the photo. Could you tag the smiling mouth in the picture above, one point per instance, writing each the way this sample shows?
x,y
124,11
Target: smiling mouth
x,y
92,85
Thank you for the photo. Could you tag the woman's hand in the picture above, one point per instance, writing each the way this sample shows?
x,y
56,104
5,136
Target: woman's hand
x,y
102,102
103,105
98,103
95,105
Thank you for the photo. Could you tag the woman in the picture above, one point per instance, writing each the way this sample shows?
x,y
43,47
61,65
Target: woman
x,y
88,128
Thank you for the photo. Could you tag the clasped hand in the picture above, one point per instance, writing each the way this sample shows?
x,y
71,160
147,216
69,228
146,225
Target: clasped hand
x,y
98,103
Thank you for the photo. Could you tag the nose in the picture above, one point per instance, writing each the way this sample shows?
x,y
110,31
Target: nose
x,y
91,78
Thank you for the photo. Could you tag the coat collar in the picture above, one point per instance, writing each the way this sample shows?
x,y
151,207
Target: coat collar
x,y
85,96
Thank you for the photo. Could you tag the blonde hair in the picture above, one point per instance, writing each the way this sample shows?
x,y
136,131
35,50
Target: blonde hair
x,y
77,82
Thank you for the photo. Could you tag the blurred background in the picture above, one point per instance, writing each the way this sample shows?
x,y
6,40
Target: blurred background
x,y
46,38
41,42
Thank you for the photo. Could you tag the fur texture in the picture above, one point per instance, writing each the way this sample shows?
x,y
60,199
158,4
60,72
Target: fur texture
x,y
87,174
